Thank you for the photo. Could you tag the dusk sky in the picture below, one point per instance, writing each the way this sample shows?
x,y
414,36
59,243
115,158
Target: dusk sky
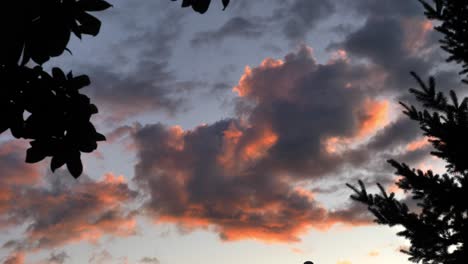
x,y
231,136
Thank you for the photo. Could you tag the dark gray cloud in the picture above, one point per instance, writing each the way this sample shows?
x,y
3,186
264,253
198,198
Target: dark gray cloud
x,y
415,157
395,8
234,27
57,258
301,16
386,42
377,35
138,77
292,18
237,175
101,257
149,88
398,38
148,260
398,133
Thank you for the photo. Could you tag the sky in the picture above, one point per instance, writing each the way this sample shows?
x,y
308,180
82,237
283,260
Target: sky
x,y
231,136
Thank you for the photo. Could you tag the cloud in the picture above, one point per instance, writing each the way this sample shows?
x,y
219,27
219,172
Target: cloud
x,y
150,87
234,27
104,257
396,8
57,258
343,262
15,175
293,19
149,260
137,76
397,61
397,39
417,144
15,258
60,211
306,103
14,169
400,132
238,176
301,16
296,120
101,257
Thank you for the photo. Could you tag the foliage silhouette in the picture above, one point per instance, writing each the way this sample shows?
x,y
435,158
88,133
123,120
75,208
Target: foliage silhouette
x,y
201,6
453,15
49,109
438,229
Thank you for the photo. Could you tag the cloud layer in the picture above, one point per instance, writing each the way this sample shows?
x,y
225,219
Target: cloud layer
x,y
257,174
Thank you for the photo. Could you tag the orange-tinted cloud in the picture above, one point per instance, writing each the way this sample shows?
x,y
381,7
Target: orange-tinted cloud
x,y
260,145
100,212
15,258
338,55
417,144
243,145
417,32
297,250
14,170
372,116
238,176
16,175
247,83
273,221
57,209
61,211
393,187
344,262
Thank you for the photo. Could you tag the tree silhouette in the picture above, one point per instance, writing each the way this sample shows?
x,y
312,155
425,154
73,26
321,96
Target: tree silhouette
x,y
48,108
439,228
201,6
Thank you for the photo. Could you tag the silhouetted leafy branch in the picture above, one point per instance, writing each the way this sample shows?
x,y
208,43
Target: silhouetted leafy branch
x,y
59,116
201,6
39,30
48,108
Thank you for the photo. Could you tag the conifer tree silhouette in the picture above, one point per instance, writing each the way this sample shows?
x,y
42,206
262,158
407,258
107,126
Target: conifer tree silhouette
x,y
439,230
48,108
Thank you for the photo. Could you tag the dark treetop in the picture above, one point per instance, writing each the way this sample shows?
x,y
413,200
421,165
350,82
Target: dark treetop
x,y
48,108
438,228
